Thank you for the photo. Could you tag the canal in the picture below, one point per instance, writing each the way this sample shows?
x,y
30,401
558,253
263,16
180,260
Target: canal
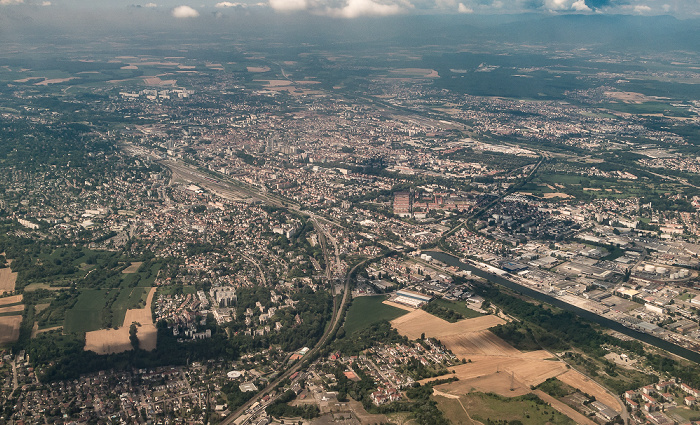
x,y
608,323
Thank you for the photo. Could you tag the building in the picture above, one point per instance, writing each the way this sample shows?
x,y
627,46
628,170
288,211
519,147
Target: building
x,y
402,204
411,298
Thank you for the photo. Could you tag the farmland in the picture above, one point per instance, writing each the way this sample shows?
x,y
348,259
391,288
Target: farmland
x,y
108,341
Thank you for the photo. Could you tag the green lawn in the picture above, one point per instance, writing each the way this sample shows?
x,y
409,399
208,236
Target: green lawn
x,y
365,311
458,306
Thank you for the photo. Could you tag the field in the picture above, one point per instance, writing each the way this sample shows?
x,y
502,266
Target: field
x,y
133,267
11,300
107,341
459,307
7,280
577,380
418,321
11,309
490,365
87,313
483,407
9,329
365,311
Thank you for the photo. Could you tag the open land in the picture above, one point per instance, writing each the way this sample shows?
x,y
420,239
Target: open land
x,y
9,329
108,341
7,280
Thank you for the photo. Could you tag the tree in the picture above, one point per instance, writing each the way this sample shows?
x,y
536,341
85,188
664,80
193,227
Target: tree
x,y
132,336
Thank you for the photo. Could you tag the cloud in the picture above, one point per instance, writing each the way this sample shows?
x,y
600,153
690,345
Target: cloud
x,y
46,3
642,8
597,4
150,5
580,6
182,12
5,2
288,5
464,9
357,8
228,4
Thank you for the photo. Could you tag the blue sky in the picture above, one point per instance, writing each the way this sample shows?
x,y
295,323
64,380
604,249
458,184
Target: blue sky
x,y
193,9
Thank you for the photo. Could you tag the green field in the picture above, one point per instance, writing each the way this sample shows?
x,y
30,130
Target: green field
x,y
365,311
528,409
458,306
87,313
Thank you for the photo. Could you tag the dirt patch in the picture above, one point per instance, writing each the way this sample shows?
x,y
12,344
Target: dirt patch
x,y
11,300
8,279
590,387
108,341
133,268
417,322
9,329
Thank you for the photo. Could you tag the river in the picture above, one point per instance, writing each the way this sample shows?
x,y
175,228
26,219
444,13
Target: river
x,y
608,323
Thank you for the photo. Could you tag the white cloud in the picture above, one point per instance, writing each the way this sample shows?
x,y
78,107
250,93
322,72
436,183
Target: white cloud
x,y
357,8
150,5
4,2
288,5
181,12
464,9
580,6
228,4
642,8
556,4
46,3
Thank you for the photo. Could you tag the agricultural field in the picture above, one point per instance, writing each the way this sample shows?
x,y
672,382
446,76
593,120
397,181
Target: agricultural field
x,y
365,311
11,309
8,280
9,329
418,322
108,341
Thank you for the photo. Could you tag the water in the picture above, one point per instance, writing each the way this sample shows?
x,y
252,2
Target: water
x,y
611,324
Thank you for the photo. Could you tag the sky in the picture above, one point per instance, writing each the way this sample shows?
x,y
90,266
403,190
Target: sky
x,y
351,9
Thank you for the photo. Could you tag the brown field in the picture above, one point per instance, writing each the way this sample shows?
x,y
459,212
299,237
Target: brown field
x,y
630,97
495,366
7,280
133,268
12,309
588,386
480,342
156,81
258,68
11,300
9,329
108,341
397,305
418,321
550,195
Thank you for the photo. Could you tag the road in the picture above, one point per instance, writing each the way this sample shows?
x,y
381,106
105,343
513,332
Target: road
x,y
238,190
338,315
